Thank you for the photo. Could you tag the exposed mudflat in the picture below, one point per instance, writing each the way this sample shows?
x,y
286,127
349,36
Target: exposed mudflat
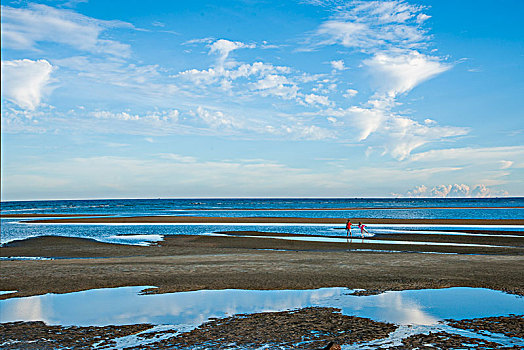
x,y
183,263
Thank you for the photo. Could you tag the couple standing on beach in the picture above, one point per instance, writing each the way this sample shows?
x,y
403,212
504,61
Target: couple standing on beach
x,y
360,225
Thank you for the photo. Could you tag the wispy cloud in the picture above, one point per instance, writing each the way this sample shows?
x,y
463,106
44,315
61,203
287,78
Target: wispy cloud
x,y
392,35
472,154
217,119
25,28
386,131
373,25
276,85
155,117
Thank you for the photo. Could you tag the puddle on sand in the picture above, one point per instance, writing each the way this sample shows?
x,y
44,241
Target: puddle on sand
x,y
119,306
419,310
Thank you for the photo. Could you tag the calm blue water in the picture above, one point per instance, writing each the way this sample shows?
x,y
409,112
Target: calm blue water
x,y
12,229
234,207
125,306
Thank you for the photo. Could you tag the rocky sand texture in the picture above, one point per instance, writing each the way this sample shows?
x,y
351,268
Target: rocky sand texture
x,y
308,328
510,326
443,340
39,336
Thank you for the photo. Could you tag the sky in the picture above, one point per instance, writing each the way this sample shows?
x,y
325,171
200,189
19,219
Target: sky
x,y
244,98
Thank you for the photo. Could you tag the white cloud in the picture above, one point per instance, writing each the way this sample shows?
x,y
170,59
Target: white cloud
x,y
338,65
418,191
366,120
391,33
223,47
217,119
422,18
178,158
350,93
505,164
317,99
158,24
217,76
276,85
455,190
374,25
347,34
207,40
398,74
198,77
382,129
477,155
25,81
308,132
404,135
170,116
24,28
116,79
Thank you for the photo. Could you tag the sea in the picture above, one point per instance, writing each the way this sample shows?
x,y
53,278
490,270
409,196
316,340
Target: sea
x,y
13,228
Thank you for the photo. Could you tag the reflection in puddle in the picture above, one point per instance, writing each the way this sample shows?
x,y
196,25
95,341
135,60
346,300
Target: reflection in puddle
x,y
125,305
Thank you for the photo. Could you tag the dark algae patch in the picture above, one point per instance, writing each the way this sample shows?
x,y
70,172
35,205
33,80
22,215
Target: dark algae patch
x,y
443,340
38,335
510,326
308,328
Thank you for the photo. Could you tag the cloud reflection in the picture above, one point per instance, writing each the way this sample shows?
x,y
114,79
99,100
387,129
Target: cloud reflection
x,y
126,306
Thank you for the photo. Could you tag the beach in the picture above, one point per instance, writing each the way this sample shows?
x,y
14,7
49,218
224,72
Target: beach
x,y
475,254
261,260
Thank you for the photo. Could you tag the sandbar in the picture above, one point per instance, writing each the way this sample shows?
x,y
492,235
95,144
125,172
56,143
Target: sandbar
x,y
184,263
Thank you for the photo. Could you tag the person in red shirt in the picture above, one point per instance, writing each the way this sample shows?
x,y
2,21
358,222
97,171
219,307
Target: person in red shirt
x,y
348,229
362,229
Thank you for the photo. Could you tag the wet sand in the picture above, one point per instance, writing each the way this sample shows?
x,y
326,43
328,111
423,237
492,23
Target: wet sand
x,y
183,263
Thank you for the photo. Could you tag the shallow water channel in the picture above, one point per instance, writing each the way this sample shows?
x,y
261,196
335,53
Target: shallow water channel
x,y
186,310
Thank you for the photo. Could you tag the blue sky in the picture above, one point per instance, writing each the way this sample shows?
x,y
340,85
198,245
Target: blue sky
x,y
132,99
